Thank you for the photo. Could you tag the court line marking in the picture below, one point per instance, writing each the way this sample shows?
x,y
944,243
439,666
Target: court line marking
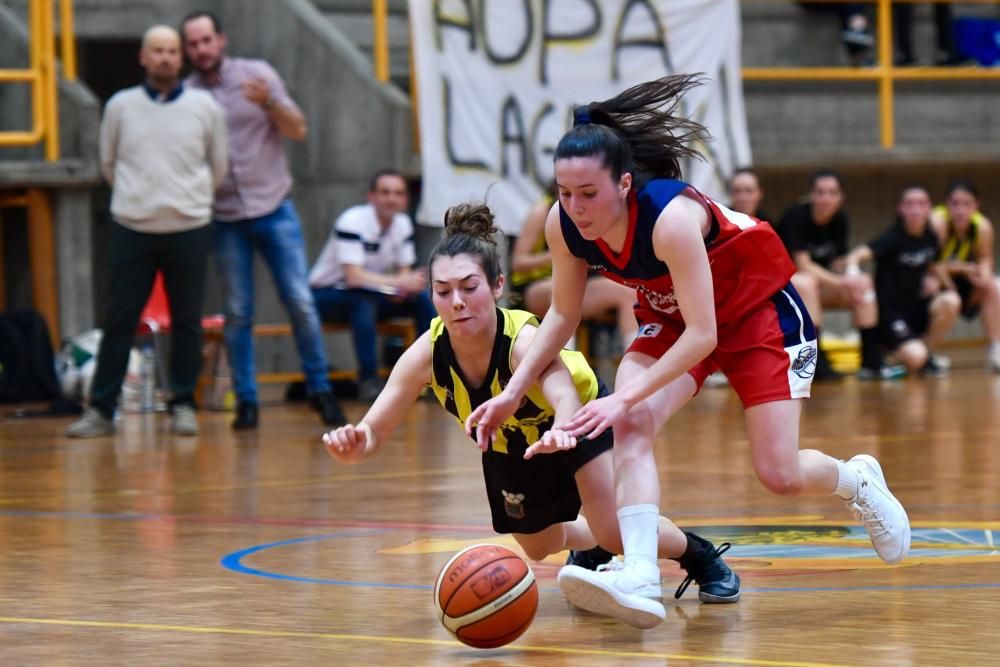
x,y
234,561
194,629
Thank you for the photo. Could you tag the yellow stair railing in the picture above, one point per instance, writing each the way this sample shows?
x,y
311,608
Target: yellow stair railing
x,y
41,75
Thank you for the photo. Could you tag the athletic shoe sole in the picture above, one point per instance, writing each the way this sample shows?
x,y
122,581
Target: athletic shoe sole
x,y
591,594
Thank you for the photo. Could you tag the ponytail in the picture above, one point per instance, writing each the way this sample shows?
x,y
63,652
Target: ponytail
x,y
637,130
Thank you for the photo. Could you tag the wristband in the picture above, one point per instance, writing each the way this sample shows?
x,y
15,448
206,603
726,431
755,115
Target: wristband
x,y
852,270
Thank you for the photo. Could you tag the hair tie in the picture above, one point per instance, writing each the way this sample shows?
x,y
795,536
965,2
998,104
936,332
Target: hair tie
x,y
581,117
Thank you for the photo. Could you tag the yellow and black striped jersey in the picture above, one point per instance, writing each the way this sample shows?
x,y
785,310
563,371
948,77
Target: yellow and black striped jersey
x,y
954,248
535,415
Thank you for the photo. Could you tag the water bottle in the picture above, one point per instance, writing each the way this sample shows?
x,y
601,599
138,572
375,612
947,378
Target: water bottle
x,y
147,376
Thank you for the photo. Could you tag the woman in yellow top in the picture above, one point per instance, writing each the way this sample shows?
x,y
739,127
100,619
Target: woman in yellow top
x,y
531,278
966,237
467,356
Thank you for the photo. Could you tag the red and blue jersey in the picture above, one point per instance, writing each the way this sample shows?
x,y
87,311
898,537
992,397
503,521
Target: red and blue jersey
x,y
748,261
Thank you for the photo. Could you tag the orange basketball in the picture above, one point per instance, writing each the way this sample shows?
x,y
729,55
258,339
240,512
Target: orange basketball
x,y
486,596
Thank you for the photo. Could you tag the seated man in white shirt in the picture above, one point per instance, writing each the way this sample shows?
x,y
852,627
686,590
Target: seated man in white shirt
x,y
365,273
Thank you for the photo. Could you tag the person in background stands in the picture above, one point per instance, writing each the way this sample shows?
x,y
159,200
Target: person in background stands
x,y
912,322
163,150
254,212
815,234
365,273
966,237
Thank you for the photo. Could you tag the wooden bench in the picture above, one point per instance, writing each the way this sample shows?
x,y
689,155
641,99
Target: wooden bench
x,y
213,337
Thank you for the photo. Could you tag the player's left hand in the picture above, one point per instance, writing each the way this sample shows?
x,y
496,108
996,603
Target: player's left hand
x,y
256,90
596,417
556,440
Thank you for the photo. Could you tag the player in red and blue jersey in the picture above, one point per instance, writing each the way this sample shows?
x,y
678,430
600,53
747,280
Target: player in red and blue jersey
x,y
713,292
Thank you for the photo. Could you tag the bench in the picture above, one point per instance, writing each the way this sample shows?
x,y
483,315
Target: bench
x,y
213,338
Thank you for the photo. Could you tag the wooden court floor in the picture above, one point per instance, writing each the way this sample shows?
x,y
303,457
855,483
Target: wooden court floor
x,y
145,549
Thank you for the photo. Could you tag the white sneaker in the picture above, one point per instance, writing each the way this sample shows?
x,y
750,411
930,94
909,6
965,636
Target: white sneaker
x,y
879,511
92,424
629,593
184,421
993,359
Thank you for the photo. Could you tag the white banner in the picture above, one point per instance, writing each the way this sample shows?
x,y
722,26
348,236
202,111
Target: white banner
x,y
497,81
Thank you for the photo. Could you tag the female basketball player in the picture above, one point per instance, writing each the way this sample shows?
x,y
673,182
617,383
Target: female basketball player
x,y
470,351
713,293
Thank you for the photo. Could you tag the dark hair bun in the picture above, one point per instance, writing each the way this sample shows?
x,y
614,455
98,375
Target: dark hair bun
x,y
475,220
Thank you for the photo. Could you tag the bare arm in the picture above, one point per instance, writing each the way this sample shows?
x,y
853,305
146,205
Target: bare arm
x,y
524,257
351,444
804,263
569,280
405,281
289,121
557,386
679,242
984,252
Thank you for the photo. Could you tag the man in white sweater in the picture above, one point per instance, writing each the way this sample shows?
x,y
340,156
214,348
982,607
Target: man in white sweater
x,y
163,150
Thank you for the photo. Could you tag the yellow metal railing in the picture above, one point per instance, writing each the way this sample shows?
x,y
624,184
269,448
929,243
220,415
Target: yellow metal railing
x,y
41,75
884,72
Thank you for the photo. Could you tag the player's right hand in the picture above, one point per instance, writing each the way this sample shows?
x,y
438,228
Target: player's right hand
x,y
488,417
346,444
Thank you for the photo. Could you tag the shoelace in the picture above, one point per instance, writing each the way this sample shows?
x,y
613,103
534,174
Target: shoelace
x,y
721,549
613,565
870,516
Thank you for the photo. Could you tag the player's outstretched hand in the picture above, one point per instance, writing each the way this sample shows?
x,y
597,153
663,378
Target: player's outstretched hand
x,y
487,418
556,440
348,444
596,417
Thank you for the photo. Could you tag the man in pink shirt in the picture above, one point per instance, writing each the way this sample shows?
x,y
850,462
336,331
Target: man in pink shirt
x,y
253,211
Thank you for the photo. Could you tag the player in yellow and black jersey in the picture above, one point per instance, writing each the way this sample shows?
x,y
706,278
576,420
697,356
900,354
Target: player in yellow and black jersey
x,y
470,352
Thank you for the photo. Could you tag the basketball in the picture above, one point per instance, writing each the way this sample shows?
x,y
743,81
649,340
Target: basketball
x,y
486,596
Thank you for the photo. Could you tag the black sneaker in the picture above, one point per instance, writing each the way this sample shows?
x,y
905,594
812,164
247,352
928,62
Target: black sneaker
x,y
825,372
246,417
329,409
717,583
590,558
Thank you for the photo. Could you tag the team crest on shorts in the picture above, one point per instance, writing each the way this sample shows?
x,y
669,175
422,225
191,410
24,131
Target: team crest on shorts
x,y
649,330
804,364
513,504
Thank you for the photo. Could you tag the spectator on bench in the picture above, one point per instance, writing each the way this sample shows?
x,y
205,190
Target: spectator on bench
x,y
365,273
911,321
966,237
815,233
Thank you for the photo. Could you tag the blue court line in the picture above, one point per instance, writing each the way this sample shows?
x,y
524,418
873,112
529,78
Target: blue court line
x,y
233,562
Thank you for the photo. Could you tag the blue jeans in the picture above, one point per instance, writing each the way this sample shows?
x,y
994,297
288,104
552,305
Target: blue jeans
x,y
363,310
278,237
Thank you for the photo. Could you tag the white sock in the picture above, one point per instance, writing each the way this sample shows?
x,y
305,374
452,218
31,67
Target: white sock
x,y
640,525
847,481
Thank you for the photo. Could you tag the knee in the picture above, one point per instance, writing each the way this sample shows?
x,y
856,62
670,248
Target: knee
x,y
781,480
806,283
535,552
948,303
638,421
608,538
